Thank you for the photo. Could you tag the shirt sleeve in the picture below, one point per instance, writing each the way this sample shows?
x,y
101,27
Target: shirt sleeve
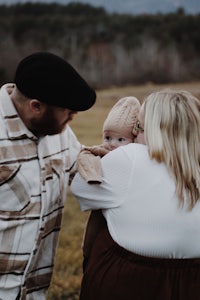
x,y
74,148
116,169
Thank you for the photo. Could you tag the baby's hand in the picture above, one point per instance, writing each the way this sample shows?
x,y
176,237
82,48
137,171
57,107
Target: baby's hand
x,y
98,150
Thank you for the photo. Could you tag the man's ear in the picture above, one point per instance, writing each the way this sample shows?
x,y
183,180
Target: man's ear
x,y
36,106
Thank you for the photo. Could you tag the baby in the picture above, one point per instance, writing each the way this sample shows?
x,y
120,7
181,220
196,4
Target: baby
x,y
118,130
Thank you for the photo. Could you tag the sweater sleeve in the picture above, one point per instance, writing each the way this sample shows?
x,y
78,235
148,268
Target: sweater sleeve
x,y
89,163
116,170
89,167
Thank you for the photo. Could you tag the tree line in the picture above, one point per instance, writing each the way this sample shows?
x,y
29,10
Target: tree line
x,y
108,49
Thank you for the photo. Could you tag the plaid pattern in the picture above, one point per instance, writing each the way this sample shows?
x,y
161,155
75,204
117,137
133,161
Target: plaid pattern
x,y
34,176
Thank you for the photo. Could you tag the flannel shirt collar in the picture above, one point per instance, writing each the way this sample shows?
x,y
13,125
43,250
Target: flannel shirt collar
x,y
16,129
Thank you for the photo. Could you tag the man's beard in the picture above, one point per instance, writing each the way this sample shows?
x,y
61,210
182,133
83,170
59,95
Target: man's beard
x,y
47,124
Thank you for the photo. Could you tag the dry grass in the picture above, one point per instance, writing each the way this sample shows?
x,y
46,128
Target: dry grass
x,y
88,126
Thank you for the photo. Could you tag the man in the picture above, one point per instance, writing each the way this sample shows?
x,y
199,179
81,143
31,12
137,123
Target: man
x,y
38,151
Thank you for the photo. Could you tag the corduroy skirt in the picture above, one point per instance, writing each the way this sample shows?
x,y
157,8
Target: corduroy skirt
x,y
113,273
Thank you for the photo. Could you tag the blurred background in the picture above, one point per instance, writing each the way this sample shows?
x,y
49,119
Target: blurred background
x,y
111,43
122,48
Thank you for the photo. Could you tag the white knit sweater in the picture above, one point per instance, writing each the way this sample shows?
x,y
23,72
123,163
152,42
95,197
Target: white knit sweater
x,y
138,199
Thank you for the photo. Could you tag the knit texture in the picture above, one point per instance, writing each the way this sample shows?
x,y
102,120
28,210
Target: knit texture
x,y
123,116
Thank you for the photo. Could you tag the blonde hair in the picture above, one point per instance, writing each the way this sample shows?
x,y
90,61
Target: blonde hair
x,y
172,133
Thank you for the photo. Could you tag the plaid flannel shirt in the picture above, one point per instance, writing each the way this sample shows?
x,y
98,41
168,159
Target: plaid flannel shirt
x,y
34,175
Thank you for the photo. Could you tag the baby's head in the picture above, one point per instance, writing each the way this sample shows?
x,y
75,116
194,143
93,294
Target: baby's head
x,y
120,122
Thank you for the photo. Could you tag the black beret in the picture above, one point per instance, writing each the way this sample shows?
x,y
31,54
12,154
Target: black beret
x,y
50,79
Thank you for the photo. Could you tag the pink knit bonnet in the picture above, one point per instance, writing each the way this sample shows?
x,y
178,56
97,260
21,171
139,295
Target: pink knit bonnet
x,y
123,116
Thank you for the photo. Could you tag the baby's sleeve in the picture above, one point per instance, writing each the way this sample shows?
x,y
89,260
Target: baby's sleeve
x,y
89,163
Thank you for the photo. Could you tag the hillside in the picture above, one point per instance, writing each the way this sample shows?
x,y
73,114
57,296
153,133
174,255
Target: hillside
x,y
107,49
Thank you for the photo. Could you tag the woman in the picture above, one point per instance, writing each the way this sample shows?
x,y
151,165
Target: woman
x,y
150,200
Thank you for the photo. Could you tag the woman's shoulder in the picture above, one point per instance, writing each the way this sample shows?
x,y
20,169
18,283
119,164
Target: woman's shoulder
x,y
136,152
128,152
135,148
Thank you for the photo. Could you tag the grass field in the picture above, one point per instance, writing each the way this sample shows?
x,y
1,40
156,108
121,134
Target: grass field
x,y
88,128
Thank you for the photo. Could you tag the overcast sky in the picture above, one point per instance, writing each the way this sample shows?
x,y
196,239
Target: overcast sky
x,y
130,6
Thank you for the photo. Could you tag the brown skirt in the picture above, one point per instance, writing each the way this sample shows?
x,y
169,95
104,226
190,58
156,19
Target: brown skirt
x,y
113,273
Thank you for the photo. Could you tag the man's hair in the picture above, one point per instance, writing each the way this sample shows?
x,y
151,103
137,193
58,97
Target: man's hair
x,y
18,96
172,133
